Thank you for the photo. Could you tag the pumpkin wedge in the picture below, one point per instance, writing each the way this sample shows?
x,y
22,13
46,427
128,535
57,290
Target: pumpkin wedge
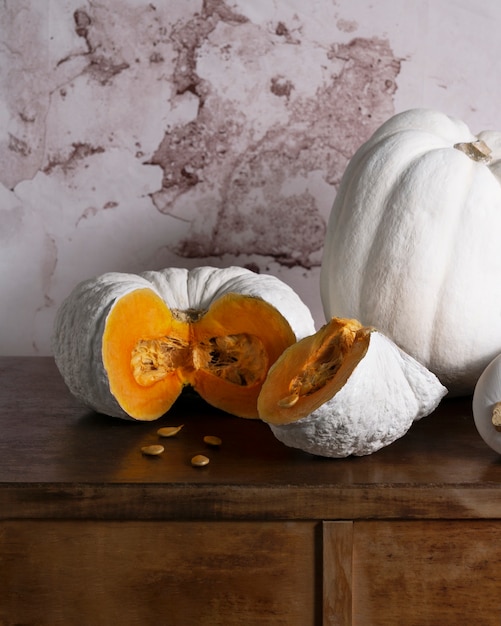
x,y
126,344
346,390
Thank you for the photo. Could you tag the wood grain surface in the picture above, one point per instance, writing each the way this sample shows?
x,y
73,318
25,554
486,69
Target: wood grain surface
x,y
427,573
337,542
141,573
59,459
92,531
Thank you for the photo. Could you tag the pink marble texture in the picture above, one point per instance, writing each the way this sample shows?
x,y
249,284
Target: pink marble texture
x,y
138,135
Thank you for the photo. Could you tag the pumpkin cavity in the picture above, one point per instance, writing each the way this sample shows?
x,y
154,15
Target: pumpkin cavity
x,y
150,352
153,359
312,371
239,359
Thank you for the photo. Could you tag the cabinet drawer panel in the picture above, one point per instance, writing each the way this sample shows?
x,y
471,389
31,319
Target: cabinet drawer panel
x,y
170,573
426,573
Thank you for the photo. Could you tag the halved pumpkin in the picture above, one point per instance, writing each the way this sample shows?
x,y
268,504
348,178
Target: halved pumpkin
x,y
346,389
125,348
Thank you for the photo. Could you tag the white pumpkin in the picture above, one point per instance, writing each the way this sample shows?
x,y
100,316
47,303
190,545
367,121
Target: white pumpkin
x,y
127,344
347,390
487,404
413,243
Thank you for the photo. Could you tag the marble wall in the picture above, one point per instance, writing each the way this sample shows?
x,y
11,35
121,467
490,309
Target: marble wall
x,y
138,135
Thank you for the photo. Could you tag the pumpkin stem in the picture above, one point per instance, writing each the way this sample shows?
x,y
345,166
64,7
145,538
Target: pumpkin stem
x,y
477,150
188,316
496,416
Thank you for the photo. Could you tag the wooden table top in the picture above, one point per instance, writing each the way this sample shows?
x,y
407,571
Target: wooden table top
x,y
60,460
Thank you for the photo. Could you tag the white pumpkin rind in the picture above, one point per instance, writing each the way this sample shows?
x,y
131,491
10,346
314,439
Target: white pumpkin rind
x,y
412,244
81,318
77,338
198,288
387,391
487,393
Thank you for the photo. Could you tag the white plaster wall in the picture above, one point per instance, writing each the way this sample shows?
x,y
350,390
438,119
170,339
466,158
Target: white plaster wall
x,y
137,135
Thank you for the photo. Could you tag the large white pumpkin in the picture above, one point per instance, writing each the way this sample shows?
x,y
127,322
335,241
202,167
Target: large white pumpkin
x,y
413,245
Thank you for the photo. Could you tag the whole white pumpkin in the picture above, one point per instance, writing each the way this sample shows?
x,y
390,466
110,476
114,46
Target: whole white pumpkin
x,y
413,245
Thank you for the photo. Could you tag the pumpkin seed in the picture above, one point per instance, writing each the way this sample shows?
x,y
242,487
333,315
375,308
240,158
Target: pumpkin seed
x,y
169,431
199,460
212,440
153,450
289,401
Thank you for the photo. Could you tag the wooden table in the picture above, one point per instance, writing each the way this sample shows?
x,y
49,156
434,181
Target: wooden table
x,y
92,532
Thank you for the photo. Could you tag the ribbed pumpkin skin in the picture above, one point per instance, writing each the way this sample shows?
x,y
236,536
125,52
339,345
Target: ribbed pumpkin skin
x,y
77,338
198,288
80,322
413,245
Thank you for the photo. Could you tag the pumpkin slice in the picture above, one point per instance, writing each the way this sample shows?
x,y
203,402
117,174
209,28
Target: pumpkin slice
x,y
346,390
126,344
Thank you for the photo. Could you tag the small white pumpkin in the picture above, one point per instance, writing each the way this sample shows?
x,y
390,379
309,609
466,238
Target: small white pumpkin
x,y
413,243
347,390
127,344
486,404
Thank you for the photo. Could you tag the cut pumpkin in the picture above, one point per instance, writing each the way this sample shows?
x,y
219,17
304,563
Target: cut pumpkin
x,y
314,371
150,352
126,349
346,389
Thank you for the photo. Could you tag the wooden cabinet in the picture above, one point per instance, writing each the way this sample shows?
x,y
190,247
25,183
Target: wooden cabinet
x,y
421,573
94,533
153,572
428,572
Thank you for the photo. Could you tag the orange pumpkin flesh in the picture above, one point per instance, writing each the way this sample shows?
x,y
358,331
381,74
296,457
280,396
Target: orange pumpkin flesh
x,y
141,316
312,371
150,352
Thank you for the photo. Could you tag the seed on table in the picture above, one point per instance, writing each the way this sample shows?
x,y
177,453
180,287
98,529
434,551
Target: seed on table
x,y
153,450
169,431
212,440
199,460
